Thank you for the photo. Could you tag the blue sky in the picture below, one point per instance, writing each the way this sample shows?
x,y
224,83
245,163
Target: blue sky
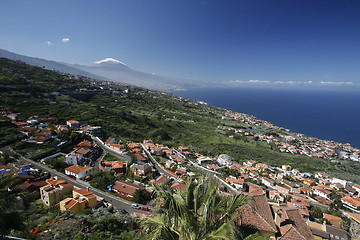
x,y
265,40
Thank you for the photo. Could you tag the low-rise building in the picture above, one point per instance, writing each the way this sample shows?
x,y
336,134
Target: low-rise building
x,y
81,200
237,183
74,158
73,123
141,169
77,171
125,189
54,191
351,203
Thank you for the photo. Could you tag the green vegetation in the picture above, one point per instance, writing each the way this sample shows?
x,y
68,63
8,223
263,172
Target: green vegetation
x,y
139,114
198,213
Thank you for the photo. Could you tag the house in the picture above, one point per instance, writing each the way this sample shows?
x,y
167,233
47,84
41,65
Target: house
x,y
77,171
333,220
257,213
125,189
178,186
286,168
255,189
267,182
306,191
250,163
282,190
140,157
141,169
351,203
81,200
117,166
12,116
237,183
54,191
109,141
224,160
74,158
291,224
319,191
85,144
73,123
276,196
309,182
160,180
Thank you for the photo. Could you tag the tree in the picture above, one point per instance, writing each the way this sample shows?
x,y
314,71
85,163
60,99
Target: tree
x,y
142,196
316,212
197,213
9,219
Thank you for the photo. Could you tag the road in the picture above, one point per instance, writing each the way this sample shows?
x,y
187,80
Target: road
x,y
157,165
109,150
117,202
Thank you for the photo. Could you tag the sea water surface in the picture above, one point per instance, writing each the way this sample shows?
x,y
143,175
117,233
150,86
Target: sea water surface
x,y
331,115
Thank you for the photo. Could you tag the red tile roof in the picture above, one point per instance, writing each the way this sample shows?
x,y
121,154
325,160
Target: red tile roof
x,y
78,169
257,213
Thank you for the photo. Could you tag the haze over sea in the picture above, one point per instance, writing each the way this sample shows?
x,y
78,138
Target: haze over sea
x,y
332,115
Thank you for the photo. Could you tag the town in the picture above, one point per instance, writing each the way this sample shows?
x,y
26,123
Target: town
x,y
286,203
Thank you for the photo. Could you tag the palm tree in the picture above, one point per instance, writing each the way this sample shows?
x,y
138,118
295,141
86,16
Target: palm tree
x,y
198,213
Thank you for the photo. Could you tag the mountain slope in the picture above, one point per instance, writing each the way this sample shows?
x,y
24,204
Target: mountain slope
x,y
119,72
47,64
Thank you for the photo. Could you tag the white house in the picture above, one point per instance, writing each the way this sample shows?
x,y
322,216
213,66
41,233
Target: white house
x,y
224,160
73,123
321,192
267,182
237,183
73,158
78,171
351,203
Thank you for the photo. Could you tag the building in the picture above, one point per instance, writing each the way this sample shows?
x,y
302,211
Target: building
x,y
291,224
319,191
125,189
257,213
351,203
237,183
81,200
141,169
117,166
54,191
74,158
267,182
224,160
77,171
73,123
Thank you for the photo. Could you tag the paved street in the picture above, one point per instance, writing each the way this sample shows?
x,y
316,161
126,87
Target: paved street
x,y
117,202
106,149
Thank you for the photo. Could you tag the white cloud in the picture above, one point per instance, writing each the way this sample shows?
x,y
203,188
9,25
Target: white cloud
x,y
65,40
49,43
337,83
259,81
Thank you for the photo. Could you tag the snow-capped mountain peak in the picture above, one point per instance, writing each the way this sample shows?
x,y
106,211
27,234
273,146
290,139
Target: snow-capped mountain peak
x,y
109,60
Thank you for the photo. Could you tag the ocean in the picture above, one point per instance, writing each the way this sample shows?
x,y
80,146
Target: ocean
x,y
324,114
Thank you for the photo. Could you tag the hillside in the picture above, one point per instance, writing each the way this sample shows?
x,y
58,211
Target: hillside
x,y
133,113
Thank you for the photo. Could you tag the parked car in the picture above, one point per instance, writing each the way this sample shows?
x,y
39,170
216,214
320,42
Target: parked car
x,y
134,205
123,211
144,208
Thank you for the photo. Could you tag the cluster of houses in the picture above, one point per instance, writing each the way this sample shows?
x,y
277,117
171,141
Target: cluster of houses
x,y
294,143
53,191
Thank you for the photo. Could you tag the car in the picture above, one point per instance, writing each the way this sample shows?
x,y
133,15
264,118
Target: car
x,y
144,208
123,211
134,205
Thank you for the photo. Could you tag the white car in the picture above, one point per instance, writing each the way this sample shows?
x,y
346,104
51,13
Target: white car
x,y
135,206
